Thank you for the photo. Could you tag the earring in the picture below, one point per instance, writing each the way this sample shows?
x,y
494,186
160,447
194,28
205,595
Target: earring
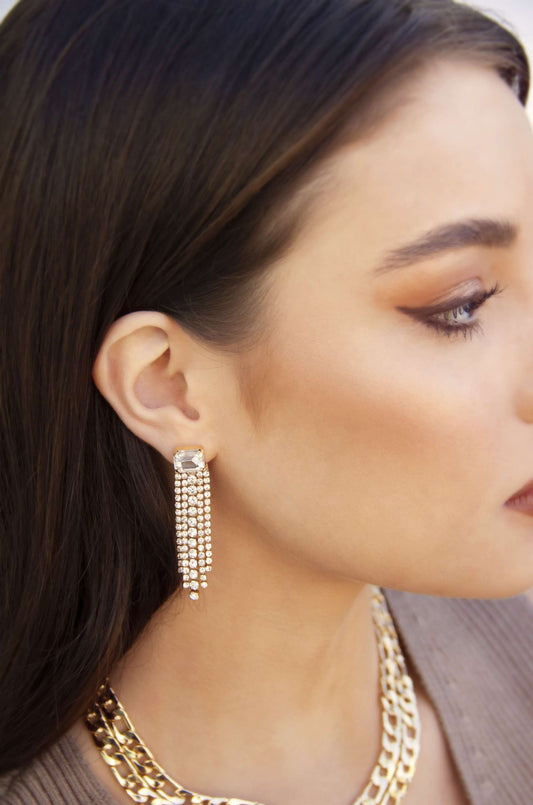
x,y
192,497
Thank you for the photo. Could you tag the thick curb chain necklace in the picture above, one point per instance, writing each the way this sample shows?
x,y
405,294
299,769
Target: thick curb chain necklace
x,y
144,780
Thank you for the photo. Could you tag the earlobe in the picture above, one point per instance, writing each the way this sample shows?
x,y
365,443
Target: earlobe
x,y
141,371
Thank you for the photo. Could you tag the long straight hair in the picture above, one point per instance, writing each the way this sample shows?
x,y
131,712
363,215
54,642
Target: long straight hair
x,y
150,154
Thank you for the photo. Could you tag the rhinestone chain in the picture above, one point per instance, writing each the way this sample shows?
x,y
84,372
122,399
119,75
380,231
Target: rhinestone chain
x,y
144,780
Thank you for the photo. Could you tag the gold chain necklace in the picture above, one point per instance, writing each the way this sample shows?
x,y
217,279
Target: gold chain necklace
x,y
144,780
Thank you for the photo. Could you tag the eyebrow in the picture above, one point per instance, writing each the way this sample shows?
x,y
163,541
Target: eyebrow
x,y
456,235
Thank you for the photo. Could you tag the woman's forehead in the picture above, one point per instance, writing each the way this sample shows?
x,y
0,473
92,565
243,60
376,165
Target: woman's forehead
x,y
458,143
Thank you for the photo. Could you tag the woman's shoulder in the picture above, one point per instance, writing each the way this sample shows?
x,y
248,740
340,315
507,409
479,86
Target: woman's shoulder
x,y
58,776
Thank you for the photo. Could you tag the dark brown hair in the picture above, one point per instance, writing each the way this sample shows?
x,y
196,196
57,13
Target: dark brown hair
x,y
151,152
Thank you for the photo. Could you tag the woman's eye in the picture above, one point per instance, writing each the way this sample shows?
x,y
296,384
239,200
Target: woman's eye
x,y
457,319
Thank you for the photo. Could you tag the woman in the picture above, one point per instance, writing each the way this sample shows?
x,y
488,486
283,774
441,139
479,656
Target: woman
x,y
267,286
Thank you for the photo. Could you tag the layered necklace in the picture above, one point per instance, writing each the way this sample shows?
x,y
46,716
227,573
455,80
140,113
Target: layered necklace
x,y
143,779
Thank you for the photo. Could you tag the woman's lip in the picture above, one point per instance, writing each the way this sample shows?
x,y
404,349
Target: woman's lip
x,y
523,508
526,490
523,499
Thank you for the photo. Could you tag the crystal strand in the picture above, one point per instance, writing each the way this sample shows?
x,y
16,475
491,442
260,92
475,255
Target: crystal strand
x,y
181,541
192,537
207,521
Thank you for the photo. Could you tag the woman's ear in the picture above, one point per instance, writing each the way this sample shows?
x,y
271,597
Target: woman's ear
x,y
146,370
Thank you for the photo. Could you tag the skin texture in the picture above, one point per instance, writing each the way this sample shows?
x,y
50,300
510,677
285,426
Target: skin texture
x,y
355,446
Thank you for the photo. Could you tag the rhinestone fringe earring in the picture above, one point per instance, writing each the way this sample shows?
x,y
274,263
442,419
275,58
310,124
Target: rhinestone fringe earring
x,y
192,497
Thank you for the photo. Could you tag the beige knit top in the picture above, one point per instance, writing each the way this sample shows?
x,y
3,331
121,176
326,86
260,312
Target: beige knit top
x,y
475,660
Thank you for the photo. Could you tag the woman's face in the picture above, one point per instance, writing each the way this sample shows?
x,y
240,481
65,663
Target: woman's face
x,y
385,449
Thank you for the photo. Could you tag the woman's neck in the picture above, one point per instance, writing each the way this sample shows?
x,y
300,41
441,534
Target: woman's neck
x,y
267,688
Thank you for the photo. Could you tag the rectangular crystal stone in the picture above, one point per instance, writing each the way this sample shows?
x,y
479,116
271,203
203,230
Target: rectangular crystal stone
x,y
189,460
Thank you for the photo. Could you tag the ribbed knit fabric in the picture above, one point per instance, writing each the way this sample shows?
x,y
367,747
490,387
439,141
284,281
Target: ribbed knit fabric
x,y
60,776
475,660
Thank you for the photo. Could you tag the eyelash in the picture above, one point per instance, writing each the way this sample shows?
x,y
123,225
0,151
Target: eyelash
x,y
466,306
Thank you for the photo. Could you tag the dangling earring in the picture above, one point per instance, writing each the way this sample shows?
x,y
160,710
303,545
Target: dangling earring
x,y
192,497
